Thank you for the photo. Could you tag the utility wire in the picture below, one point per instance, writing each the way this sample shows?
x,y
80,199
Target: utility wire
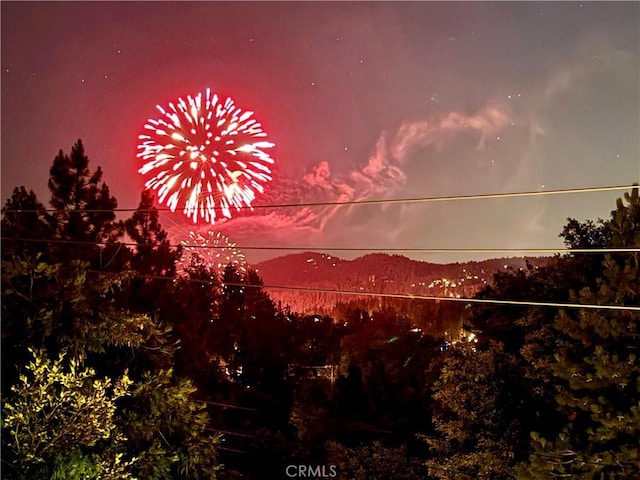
x,y
374,294
407,296
391,295
445,299
571,459
226,405
342,249
233,434
384,295
234,450
390,201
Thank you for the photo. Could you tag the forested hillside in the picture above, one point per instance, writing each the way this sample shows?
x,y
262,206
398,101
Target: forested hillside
x,y
114,366
379,273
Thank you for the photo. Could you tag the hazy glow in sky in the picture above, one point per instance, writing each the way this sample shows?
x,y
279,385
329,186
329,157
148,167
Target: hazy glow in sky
x,y
363,100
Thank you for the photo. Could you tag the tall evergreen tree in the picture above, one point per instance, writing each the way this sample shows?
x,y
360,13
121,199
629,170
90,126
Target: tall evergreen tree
x,y
193,306
84,208
151,257
597,370
153,253
55,302
538,347
23,216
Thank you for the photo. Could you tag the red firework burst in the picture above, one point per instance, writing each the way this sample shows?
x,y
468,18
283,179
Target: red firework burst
x,y
205,155
213,250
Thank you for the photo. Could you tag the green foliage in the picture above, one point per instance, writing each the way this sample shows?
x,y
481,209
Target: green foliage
x,y
74,188
82,418
477,422
59,306
58,410
192,307
597,372
168,430
103,466
309,418
84,211
153,254
625,222
585,235
571,376
23,216
373,462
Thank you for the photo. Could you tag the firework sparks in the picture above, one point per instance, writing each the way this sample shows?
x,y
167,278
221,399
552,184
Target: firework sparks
x,y
213,250
205,155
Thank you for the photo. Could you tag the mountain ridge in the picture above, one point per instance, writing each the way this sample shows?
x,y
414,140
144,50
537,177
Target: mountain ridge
x,y
375,273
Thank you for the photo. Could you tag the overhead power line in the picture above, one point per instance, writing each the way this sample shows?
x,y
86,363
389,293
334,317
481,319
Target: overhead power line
x,y
343,249
227,405
571,459
410,296
386,295
407,296
389,201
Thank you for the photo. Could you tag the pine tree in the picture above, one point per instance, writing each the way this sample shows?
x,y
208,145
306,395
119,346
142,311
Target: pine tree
x,y
193,306
84,215
59,304
597,370
54,306
151,257
153,254
23,216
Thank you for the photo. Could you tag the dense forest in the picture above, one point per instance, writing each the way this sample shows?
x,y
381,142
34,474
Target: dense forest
x,y
114,367
310,273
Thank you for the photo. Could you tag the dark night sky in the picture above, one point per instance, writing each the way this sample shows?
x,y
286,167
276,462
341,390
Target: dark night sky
x,y
363,100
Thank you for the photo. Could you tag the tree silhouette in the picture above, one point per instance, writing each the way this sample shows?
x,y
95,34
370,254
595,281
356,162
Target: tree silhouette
x,y
23,216
84,209
596,370
152,254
